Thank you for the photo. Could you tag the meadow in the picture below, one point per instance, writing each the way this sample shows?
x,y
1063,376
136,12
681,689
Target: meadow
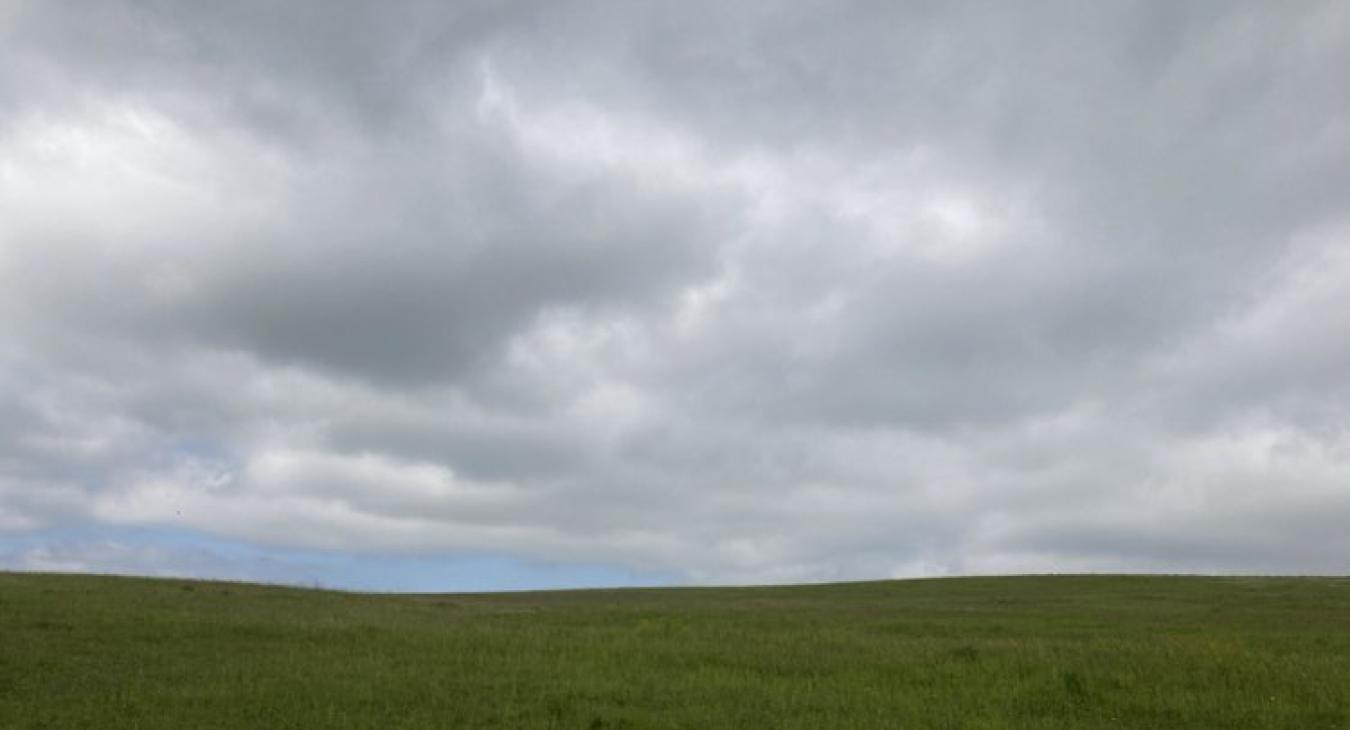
x,y
1020,652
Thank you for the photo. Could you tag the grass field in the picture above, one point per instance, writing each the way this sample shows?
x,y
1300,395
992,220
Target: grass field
x,y
1031,652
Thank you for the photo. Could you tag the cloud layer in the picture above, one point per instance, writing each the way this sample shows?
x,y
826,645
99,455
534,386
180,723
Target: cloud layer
x,y
771,292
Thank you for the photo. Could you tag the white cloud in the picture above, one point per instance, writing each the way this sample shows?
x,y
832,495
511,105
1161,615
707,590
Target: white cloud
x,y
778,293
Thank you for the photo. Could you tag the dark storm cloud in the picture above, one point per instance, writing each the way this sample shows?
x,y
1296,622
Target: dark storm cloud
x,y
769,291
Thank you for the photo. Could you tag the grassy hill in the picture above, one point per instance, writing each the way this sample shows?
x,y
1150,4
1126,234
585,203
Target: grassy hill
x,y
1027,652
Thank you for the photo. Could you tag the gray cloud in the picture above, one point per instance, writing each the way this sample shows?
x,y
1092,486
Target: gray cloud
x,y
781,291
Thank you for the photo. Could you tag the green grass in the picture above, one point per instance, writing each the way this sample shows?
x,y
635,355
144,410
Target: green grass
x,y
1030,652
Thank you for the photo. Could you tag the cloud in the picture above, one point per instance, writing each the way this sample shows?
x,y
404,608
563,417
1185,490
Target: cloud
x,y
781,291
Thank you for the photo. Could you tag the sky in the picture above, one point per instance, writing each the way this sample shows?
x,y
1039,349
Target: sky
x,y
491,295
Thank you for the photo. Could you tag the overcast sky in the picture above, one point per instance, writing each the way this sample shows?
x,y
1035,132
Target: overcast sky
x,y
448,295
